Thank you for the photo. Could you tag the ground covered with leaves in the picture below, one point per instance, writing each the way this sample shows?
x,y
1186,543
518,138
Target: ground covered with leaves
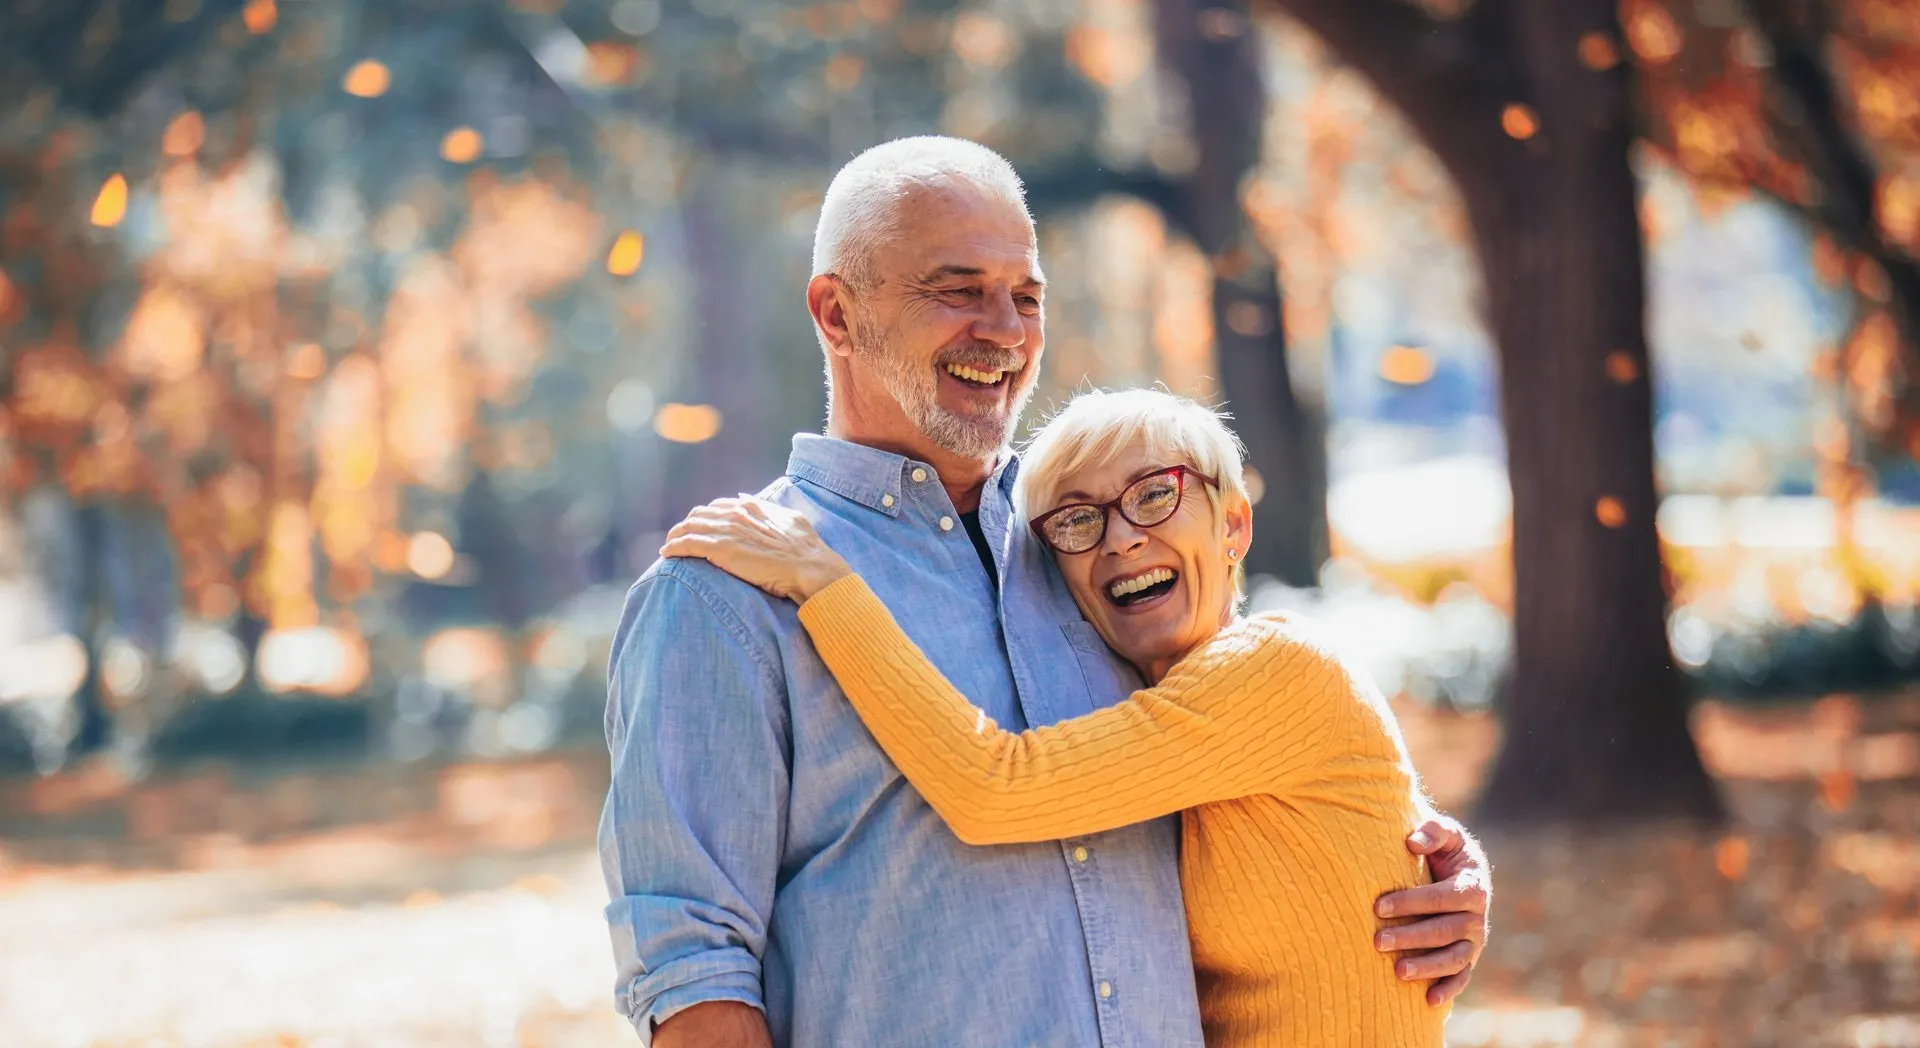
x,y
460,904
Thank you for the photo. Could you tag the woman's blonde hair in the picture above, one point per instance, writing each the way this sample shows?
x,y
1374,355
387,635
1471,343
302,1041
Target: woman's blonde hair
x,y
1094,425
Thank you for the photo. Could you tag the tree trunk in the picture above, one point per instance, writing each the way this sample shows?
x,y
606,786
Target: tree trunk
x,y
1596,719
1595,716
727,370
1210,47
1285,438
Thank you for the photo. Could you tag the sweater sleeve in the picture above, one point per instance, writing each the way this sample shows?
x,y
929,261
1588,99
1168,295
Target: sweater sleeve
x,y
1250,712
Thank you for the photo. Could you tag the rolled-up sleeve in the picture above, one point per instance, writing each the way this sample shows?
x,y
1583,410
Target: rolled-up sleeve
x,y
691,834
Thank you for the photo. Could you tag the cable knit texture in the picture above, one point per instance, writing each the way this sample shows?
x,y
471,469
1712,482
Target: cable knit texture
x,y
1293,782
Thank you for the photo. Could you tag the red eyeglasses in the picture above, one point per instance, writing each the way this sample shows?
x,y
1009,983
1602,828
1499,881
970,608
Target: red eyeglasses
x,y
1147,502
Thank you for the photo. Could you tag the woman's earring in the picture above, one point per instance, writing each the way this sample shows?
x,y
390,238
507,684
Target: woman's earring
x,y
1233,554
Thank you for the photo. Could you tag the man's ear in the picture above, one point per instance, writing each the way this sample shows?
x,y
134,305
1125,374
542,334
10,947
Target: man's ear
x,y
828,301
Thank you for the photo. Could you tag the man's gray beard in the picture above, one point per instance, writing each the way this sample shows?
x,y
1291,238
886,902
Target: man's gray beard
x,y
916,390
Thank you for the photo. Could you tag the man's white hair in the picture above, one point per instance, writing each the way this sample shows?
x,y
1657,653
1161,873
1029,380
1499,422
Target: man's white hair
x,y
862,203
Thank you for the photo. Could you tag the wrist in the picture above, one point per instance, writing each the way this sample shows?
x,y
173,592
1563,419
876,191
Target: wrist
x,y
819,578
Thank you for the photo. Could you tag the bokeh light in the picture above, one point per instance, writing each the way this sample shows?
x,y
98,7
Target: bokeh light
x,y
461,145
367,79
687,423
260,16
1406,365
429,555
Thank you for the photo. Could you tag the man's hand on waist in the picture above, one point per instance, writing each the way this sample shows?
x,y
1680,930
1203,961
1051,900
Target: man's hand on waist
x,y
1446,944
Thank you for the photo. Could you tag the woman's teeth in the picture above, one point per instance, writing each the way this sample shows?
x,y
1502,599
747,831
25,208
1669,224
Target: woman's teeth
x,y
1126,587
984,378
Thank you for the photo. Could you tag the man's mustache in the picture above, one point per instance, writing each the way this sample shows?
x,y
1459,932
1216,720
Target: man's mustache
x,y
984,358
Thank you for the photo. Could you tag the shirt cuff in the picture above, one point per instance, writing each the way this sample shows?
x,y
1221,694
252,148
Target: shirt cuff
x,y
725,975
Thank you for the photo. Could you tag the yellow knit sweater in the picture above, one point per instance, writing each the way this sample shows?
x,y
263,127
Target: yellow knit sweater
x,y
1294,786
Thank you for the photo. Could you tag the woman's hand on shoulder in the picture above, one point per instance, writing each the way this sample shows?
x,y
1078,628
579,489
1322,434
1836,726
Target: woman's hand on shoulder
x,y
760,542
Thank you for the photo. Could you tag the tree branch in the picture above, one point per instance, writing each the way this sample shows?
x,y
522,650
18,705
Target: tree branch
x,y
1078,183
1432,71
1811,103
50,45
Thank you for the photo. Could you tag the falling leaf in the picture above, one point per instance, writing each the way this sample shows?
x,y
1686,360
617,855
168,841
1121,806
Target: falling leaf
x,y
1597,51
1609,512
1730,857
184,135
625,257
1621,367
1652,32
111,205
1837,790
1519,121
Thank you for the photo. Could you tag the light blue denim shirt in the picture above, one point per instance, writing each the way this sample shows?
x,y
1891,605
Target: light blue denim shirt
x,y
759,847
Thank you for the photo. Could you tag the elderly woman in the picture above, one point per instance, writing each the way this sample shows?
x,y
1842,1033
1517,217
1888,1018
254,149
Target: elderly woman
x,y
1295,788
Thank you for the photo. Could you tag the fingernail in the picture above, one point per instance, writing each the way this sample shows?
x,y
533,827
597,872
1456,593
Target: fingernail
x,y
1421,839
1383,908
1405,968
1386,940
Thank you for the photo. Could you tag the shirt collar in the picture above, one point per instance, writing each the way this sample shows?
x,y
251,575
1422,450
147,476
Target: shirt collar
x,y
869,476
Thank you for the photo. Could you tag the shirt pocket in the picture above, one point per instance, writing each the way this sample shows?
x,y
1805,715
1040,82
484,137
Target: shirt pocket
x,y
1109,677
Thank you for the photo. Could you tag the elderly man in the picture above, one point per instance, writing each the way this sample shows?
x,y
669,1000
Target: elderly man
x,y
774,879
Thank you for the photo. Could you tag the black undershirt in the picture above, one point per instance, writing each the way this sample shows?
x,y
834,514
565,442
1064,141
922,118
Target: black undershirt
x,y
971,521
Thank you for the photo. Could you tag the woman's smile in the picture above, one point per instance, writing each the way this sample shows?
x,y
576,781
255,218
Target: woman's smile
x,y
1139,591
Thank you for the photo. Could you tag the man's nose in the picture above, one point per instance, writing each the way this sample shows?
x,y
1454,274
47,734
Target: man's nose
x,y
1000,322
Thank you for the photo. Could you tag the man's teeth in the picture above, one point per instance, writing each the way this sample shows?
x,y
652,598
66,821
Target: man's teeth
x,y
985,378
1140,582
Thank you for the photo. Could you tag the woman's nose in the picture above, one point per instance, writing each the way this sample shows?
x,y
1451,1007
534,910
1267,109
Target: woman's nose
x,y
1122,535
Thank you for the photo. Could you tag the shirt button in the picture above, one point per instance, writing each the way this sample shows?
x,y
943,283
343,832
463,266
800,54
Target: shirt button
x,y
887,501
919,475
946,523
1106,989
1080,854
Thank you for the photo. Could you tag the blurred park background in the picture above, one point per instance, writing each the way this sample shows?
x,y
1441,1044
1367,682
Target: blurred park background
x,y
357,355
